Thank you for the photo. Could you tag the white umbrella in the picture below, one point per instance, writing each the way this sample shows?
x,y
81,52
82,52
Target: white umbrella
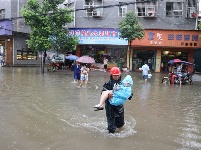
x,y
86,59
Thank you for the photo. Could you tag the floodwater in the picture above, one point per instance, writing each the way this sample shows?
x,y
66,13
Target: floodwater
x,y
49,112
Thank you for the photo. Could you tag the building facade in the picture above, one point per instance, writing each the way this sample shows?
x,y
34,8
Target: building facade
x,y
13,44
159,19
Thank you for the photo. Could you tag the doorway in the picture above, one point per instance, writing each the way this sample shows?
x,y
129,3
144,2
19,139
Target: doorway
x,y
2,47
140,56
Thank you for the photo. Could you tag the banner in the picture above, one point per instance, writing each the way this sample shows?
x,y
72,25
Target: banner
x,y
106,36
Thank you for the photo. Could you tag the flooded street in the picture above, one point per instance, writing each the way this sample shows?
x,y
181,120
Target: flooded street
x,y
49,112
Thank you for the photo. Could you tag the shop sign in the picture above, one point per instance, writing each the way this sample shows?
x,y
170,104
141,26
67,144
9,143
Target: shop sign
x,y
6,27
98,36
155,41
167,38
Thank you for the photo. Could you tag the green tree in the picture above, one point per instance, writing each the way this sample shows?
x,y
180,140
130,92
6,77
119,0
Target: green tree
x,y
130,29
199,26
47,23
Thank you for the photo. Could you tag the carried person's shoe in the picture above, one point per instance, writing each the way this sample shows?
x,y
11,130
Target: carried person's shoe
x,y
98,107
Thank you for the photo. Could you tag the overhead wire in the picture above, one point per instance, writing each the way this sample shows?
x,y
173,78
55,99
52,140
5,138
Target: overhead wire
x,y
94,7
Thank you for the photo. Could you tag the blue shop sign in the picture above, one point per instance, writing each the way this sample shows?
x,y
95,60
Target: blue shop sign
x,y
98,36
6,27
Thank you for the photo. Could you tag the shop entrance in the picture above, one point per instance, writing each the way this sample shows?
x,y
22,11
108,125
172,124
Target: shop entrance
x,y
166,56
2,47
94,51
140,56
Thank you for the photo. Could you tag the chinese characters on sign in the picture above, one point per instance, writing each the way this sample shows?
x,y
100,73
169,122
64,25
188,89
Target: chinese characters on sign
x,y
98,36
157,41
157,38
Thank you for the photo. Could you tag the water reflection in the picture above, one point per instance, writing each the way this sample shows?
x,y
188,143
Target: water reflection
x,y
48,111
145,91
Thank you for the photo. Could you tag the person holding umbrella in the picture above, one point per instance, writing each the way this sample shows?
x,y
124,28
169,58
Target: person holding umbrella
x,y
84,75
69,60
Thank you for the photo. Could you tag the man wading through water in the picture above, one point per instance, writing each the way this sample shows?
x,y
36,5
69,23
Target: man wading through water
x,y
114,114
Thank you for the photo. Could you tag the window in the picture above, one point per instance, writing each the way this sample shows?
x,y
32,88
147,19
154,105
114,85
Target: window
x,y
2,14
191,11
26,55
146,9
93,8
174,9
88,5
122,10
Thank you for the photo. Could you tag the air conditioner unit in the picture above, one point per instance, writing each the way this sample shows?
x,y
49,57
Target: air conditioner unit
x,y
150,12
69,1
97,13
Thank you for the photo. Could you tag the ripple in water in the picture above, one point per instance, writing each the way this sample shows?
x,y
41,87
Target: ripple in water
x,y
99,125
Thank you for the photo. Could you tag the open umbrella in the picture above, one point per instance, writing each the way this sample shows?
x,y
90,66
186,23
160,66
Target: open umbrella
x,y
187,63
86,59
174,61
180,61
72,57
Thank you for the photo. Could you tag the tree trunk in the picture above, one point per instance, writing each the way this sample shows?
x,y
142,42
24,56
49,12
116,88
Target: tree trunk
x,y
43,61
129,55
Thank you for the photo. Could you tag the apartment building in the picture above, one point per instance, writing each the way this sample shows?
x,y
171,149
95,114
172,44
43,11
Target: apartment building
x,y
13,35
170,31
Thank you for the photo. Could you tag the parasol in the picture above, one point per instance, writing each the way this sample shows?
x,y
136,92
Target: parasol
x,y
86,59
72,57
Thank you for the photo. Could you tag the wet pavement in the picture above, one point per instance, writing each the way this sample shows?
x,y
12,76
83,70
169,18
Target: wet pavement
x,y
49,112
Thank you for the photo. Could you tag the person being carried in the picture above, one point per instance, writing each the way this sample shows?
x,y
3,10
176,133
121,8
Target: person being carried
x,y
120,93
84,75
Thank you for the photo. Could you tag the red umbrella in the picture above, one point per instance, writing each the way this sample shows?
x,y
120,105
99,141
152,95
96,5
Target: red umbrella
x,y
174,61
86,59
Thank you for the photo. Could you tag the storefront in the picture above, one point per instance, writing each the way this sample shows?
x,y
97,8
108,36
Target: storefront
x,y
14,48
98,42
6,42
163,45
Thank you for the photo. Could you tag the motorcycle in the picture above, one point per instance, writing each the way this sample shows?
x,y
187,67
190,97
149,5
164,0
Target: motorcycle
x,y
185,78
174,78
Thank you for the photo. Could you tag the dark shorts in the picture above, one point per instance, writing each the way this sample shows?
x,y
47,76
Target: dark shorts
x,y
105,66
145,76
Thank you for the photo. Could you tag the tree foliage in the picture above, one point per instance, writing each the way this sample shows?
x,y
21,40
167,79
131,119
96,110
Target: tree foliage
x,y
130,28
47,23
